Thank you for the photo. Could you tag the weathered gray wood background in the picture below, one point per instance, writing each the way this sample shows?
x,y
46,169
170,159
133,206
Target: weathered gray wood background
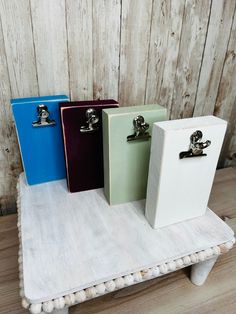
x,y
178,53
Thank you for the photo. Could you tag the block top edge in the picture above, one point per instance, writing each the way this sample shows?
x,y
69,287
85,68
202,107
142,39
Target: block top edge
x,y
189,123
133,109
39,99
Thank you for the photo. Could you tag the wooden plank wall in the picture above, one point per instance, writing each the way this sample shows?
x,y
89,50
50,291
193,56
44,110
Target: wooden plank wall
x,y
178,53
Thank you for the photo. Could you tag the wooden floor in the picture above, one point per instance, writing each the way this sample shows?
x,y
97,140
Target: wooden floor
x,y
172,293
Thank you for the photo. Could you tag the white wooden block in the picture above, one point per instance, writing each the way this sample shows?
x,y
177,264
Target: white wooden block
x,y
179,189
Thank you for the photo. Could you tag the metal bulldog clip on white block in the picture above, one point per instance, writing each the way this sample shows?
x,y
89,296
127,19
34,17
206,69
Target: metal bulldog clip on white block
x,y
184,155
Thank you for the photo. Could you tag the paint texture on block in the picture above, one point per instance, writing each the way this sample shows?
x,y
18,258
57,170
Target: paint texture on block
x,y
126,162
82,134
179,188
41,146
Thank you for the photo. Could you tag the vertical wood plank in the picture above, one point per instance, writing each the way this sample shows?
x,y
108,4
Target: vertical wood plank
x,y
225,106
10,165
106,48
135,36
222,12
17,31
228,154
194,28
164,47
50,39
230,159
79,31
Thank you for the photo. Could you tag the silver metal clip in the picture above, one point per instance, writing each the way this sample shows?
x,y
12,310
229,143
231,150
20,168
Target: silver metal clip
x,y
43,117
91,123
196,147
140,130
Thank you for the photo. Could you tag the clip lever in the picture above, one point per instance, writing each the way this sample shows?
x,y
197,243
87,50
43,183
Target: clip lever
x,y
91,123
43,117
140,130
196,147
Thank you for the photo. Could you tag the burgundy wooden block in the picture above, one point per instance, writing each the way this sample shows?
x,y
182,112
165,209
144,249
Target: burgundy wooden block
x,y
82,134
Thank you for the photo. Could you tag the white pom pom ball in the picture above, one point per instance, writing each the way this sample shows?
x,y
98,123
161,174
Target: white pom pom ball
x,y
25,303
137,276
21,267
22,293
129,279
119,282
110,286
193,258
186,260
147,274
48,306
209,252
155,271
21,284
59,303
100,288
179,262
163,268
20,259
216,250
80,296
171,266
69,299
91,292
201,256
36,308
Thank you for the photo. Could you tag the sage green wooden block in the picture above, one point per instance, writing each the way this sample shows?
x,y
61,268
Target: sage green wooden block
x,y
126,163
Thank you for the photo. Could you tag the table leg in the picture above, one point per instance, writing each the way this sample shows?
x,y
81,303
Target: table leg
x,y
200,271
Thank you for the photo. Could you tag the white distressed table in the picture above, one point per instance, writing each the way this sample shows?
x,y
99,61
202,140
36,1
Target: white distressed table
x,y
75,247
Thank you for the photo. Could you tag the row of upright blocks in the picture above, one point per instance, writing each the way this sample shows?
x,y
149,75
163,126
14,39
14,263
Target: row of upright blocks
x,y
175,188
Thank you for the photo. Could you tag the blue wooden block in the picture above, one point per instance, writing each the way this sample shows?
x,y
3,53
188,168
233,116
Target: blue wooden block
x,y
41,145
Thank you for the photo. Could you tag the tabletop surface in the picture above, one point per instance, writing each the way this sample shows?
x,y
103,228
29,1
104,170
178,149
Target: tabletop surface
x,y
73,241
